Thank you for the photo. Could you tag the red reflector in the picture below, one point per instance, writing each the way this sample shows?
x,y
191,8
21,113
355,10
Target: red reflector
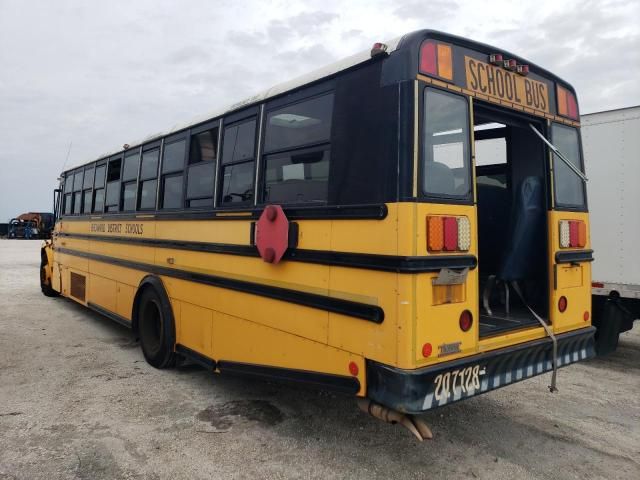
x,y
450,233
585,316
573,234
562,304
426,350
428,58
353,369
466,320
597,284
572,106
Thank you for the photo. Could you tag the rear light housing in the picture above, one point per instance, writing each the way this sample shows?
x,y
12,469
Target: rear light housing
x,y
562,304
510,65
448,234
573,234
465,321
567,104
436,60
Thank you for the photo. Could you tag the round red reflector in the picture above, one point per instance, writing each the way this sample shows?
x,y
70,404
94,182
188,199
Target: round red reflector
x,y
426,350
466,320
562,304
353,369
585,316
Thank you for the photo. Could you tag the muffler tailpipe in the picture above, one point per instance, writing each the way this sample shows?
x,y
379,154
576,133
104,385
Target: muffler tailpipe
x,y
416,426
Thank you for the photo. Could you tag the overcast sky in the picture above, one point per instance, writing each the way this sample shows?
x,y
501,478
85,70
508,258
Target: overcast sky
x,y
100,74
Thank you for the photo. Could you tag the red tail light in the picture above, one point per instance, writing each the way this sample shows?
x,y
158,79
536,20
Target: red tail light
x,y
466,321
428,63
436,59
426,350
562,304
450,233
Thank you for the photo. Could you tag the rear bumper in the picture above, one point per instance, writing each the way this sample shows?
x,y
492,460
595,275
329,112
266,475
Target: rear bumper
x,y
415,391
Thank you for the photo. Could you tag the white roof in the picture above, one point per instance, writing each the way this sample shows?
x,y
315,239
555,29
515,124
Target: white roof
x,y
313,76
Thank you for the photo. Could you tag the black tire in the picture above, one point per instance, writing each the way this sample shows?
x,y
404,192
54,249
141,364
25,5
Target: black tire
x,y
156,329
47,290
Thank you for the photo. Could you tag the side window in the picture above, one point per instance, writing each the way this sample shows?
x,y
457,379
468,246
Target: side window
x,y
67,204
238,160
129,181
297,152
77,194
114,171
172,174
201,171
98,188
87,187
148,186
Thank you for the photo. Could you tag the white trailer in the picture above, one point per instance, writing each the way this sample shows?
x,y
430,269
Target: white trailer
x,y
611,145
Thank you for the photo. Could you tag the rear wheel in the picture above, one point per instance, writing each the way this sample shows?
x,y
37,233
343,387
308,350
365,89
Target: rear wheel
x,y
156,330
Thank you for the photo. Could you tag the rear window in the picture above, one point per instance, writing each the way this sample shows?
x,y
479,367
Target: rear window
x,y
446,160
569,188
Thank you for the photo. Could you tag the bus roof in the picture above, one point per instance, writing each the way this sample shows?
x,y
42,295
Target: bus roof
x,y
410,42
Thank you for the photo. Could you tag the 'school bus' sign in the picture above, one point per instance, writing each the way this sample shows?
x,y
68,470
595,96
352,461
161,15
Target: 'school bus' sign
x,y
502,84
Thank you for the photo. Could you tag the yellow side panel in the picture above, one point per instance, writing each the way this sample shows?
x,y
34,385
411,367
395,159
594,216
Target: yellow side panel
x,y
124,251
570,281
123,275
124,300
196,327
303,321
70,261
214,231
375,341
367,236
239,340
102,292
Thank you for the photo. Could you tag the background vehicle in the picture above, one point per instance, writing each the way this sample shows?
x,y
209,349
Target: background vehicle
x,y
335,230
40,225
611,143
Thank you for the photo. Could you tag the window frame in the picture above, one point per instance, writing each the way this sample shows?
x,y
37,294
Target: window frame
x,y
123,183
422,196
181,136
255,114
157,145
100,163
120,157
584,207
212,125
325,145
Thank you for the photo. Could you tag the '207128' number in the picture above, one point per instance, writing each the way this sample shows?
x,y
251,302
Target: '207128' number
x,y
466,379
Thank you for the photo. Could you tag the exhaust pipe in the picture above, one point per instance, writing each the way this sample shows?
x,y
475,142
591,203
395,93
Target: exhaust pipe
x,y
416,426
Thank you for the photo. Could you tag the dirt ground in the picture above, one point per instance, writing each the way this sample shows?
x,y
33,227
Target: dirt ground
x,y
77,400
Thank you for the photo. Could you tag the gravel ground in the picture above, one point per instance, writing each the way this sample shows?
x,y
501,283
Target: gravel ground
x,y
77,400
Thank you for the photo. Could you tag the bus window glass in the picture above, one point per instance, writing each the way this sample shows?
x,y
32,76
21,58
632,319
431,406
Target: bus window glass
x,y
100,173
239,142
114,170
88,177
77,180
86,201
172,191
148,189
445,158
297,177
303,123
173,158
130,170
68,182
149,168
568,186
67,204
237,183
200,181
77,199
204,147
98,200
129,196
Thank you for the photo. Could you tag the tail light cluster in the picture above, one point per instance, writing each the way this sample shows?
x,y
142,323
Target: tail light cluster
x,y
567,104
436,60
573,234
449,234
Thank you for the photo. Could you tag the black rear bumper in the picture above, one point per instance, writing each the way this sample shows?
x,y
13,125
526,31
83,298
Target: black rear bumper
x,y
415,391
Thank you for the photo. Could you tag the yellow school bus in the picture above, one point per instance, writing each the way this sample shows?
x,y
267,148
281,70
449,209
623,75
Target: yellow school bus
x,y
408,225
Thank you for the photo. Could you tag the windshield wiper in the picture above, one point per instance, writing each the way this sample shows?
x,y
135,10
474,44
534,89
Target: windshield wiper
x,y
560,155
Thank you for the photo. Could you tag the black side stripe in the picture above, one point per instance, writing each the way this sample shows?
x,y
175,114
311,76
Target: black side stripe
x,y
109,314
574,256
323,380
372,313
387,263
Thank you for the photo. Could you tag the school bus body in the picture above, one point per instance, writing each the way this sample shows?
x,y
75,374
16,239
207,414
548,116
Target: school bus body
x,y
351,306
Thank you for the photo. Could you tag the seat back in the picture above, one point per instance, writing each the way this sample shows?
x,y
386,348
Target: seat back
x,y
523,252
